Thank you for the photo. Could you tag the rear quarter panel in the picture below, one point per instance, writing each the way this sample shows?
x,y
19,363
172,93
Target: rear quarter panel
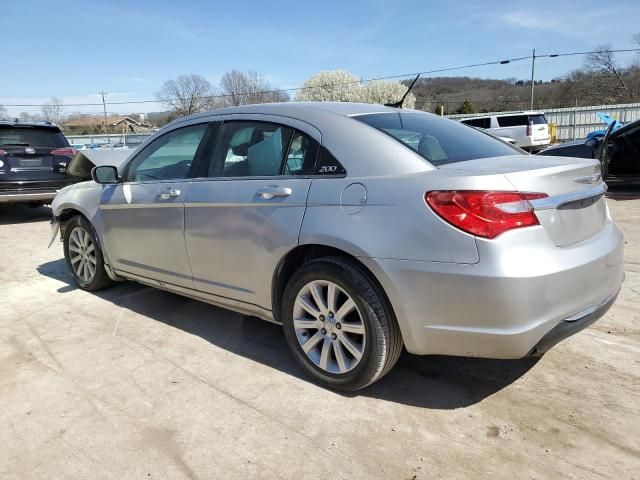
x,y
394,221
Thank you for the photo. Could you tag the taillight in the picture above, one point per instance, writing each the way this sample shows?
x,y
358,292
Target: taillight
x,y
529,129
2,153
67,152
484,213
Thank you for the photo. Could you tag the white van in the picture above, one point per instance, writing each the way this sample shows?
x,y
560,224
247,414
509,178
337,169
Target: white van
x,y
529,129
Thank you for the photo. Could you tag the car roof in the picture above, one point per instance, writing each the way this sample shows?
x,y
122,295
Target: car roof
x,y
297,110
19,123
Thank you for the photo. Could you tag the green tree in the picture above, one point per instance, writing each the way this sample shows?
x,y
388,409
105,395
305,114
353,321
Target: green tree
x,y
466,107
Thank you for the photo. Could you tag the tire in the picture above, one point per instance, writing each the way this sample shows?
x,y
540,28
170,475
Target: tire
x,y
370,327
75,230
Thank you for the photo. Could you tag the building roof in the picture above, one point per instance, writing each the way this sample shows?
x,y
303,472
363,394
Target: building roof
x,y
98,120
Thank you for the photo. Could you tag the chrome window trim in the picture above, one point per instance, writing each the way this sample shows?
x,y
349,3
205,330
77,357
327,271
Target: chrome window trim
x,y
555,201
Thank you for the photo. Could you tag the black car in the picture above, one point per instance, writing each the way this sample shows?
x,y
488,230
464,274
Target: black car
x,y
618,152
33,162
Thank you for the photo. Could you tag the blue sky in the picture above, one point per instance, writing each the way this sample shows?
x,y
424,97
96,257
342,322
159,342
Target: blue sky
x,y
73,49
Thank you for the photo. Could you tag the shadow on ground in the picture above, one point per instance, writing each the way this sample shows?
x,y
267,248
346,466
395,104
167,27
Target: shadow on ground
x,y
623,193
436,382
15,214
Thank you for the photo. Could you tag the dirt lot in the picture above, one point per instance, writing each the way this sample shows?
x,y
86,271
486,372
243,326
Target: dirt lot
x,y
138,383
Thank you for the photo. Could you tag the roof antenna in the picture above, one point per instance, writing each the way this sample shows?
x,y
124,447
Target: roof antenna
x,y
401,102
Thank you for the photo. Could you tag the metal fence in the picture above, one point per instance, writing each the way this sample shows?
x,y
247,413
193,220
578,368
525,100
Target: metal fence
x,y
577,122
132,139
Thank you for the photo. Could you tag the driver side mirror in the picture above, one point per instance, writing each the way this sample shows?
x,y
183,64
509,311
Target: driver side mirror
x,y
104,174
592,142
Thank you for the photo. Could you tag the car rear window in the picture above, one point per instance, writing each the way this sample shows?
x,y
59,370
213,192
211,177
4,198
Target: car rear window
x,y
32,137
438,140
537,119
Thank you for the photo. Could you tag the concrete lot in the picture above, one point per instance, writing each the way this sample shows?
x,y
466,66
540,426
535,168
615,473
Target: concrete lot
x,y
137,383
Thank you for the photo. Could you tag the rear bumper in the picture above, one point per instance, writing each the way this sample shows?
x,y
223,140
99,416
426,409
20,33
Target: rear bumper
x,y
571,325
523,288
37,191
20,197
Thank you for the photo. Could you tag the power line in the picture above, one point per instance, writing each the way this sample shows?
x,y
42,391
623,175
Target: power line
x,y
389,77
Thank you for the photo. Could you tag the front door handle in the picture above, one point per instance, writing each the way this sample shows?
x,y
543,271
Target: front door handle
x,y
274,191
168,193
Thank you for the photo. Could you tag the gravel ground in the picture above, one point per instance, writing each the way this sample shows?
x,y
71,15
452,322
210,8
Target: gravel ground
x,y
133,382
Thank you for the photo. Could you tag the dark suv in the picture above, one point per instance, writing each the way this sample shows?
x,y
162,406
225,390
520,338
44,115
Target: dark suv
x,y
33,162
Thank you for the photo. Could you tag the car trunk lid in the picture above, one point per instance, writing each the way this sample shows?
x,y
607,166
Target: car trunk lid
x,y
575,208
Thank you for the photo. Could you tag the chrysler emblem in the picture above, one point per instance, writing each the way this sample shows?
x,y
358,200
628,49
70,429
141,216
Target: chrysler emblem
x,y
29,150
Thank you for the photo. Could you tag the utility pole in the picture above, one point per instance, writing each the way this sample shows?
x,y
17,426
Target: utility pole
x,y
104,109
533,72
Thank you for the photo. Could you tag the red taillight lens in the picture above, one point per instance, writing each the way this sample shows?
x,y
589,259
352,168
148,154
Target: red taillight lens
x,y
67,152
484,213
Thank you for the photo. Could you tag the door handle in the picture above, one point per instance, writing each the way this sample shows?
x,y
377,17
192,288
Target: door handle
x,y
274,191
168,193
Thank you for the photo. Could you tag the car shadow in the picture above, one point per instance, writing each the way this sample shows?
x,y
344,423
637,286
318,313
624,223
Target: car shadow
x,y
623,193
435,382
15,214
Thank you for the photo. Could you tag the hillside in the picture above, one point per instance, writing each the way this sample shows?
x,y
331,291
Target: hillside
x,y
583,87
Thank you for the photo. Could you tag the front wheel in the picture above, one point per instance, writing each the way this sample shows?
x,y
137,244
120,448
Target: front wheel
x,y
83,255
339,325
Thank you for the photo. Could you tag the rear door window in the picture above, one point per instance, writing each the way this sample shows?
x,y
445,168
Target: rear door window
x,y
513,121
32,137
251,149
301,156
478,122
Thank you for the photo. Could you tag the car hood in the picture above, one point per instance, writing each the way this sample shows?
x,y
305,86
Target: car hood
x,y
84,160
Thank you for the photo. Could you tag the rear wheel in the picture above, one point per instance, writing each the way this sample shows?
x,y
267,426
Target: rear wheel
x,y
83,255
338,324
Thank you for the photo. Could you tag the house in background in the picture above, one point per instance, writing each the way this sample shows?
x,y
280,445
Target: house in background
x,y
90,125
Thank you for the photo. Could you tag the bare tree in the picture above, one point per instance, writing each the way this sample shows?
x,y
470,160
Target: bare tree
x,y
25,116
602,64
3,111
239,88
186,94
52,111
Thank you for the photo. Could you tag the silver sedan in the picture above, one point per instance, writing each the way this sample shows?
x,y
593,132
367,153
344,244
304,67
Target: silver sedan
x,y
361,229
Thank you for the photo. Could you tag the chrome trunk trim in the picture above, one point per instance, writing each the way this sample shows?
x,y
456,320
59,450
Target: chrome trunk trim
x,y
556,201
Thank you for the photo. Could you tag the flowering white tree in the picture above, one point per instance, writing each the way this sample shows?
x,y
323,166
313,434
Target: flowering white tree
x,y
336,86
386,91
342,86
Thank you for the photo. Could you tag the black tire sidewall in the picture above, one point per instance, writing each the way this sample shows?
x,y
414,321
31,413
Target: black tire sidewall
x,y
369,367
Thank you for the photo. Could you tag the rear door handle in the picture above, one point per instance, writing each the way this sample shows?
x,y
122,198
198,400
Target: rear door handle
x,y
274,191
168,193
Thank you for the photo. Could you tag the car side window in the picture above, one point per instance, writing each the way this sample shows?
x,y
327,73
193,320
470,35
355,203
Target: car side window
x,y
169,157
249,149
301,156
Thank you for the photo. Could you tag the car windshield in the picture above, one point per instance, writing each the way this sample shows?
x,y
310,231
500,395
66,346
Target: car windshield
x,y
438,140
32,137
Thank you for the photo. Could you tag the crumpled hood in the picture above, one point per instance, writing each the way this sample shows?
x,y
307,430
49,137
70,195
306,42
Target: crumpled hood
x,y
84,160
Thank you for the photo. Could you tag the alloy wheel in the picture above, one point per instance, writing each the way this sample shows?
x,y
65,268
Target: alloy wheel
x,y
82,254
329,327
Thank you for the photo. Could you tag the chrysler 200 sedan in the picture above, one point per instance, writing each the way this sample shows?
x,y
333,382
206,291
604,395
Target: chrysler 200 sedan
x,y
361,229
